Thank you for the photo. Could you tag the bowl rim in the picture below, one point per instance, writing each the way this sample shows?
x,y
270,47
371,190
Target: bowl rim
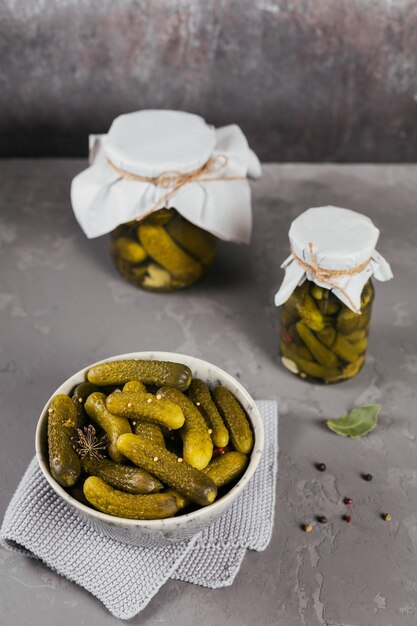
x,y
171,522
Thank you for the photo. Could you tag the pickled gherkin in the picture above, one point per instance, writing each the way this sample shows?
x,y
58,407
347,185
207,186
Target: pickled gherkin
x,y
200,395
197,444
149,431
303,305
222,470
321,353
64,463
163,249
165,465
129,250
148,372
336,341
200,244
136,406
162,252
113,425
132,506
226,468
235,419
123,477
134,385
79,396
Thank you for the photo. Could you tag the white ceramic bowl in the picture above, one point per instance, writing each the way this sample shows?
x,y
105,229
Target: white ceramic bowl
x,y
154,532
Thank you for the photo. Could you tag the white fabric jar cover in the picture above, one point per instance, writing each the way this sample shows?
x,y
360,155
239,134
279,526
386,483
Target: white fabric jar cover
x,y
333,239
151,143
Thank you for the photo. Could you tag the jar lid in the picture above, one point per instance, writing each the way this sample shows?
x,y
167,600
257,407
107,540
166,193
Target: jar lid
x,y
150,142
340,237
335,248
155,159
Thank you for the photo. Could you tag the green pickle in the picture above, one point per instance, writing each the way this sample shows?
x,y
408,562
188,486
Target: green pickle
x,y
236,421
129,250
113,425
122,477
149,431
334,336
64,462
132,506
79,396
197,443
223,470
165,465
146,406
134,385
200,395
162,252
156,373
226,468
197,242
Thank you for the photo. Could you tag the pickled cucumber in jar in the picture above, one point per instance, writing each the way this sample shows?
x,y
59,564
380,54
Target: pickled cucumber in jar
x,y
321,338
162,252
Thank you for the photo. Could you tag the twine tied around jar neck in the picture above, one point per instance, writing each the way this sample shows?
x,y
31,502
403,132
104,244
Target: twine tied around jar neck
x,y
174,180
324,275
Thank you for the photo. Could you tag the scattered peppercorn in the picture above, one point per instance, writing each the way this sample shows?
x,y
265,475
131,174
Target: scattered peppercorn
x,y
367,477
321,467
386,517
347,518
348,501
322,519
307,527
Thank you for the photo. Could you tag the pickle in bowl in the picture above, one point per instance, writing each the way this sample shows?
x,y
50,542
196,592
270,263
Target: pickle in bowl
x,y
145,439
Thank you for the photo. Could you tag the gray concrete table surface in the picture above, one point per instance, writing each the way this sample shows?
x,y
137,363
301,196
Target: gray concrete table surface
x,y
62,305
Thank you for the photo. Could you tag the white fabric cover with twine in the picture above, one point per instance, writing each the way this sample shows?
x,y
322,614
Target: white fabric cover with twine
x,y
340,239
148,144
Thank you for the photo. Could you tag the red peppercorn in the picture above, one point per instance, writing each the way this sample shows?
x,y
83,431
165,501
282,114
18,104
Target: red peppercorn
x,y
218,452
347,518
287,337
348,501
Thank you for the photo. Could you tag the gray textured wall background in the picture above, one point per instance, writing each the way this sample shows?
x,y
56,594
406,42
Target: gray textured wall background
x,y
306,79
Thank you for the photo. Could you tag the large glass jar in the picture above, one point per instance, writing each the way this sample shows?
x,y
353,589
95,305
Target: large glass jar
x,y
152,160
322,339
162,252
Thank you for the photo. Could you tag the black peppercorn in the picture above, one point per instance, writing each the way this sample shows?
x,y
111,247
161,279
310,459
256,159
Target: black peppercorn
x,y
321,467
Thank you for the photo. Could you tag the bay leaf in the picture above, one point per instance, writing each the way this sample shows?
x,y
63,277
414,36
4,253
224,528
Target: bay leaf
x,y
358,422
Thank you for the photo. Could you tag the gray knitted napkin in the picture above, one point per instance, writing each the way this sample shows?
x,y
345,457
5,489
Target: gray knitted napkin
x,y
39,524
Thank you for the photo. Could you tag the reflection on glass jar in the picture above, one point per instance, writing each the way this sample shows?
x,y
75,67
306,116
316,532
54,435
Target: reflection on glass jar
x,y
323,340
162,252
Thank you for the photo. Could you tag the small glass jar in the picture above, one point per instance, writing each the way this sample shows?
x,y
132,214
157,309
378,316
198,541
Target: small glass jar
x,y
163,252
327,293
322,339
